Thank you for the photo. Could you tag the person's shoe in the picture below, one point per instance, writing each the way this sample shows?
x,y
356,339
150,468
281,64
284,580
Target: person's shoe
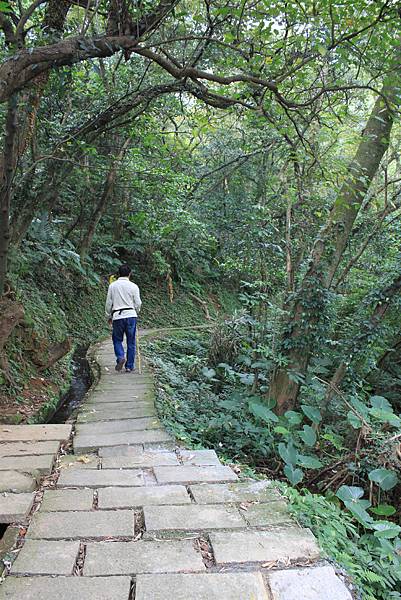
x,y
120,364
129,370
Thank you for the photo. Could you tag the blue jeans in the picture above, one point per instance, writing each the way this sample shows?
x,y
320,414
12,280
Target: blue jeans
x,y
127,326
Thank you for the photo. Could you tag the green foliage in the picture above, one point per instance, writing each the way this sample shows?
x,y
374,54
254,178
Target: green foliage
x,y
369,552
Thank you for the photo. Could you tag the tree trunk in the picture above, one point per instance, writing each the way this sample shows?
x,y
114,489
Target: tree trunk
x,y
308,307
7,175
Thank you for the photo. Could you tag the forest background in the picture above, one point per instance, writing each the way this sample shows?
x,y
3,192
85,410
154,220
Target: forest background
x,y
243,157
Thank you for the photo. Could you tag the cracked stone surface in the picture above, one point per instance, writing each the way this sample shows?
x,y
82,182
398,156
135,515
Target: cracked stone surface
x,y
130,508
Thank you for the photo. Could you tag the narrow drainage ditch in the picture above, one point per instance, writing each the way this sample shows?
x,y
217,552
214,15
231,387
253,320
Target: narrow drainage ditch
x,y
81,381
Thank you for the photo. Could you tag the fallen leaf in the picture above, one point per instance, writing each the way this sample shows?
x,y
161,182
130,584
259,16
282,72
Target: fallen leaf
x,y
84,459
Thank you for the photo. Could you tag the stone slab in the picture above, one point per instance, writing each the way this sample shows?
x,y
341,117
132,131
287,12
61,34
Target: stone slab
x,y
261,491
191,518
27,464
29,448
23,433
67,500
82,461
65,588
15,507
85,443
13,481
264,515
103,478
202,586
199,458
113,497
114,404
115,415
106,385
190,474
308,584
141,459
79,525
120,451
99,402
40,557
126,425
263,546
125,558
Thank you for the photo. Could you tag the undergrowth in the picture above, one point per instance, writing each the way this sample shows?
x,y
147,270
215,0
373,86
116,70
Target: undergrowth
x,y
203,408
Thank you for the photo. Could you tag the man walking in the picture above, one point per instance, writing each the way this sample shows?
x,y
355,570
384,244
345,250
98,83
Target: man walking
x,y
122,307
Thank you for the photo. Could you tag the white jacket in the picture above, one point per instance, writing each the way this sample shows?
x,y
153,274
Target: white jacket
x,y
122,293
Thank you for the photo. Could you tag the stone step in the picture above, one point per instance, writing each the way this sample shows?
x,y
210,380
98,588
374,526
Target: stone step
x,y
15,507
40,557
280,544
310,584
27,464
115,415
21,433
265,515
192,474
67,500
199,458
65,588
112,497
126,425
259,491
29,448
144,459
83,461
126,558
105,401
104,478
192,518
202,586
123,407
86,443
134,451
13,481
82,524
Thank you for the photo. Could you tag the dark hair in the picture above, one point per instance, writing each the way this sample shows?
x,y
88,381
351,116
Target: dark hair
x,y
124,271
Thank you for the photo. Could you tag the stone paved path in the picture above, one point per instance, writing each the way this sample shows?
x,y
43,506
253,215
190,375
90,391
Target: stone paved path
x,y
133,517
